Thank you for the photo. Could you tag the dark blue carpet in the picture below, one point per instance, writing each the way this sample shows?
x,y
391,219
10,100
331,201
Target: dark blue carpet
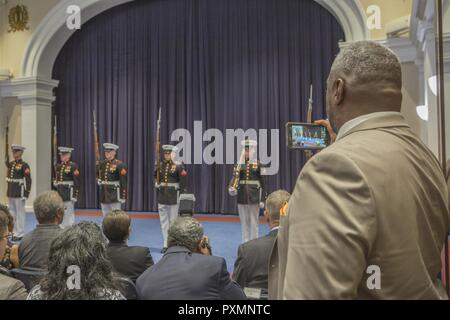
x,y
225,237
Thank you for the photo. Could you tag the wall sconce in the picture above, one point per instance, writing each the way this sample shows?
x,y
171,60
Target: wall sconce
x,y
432,83
422,112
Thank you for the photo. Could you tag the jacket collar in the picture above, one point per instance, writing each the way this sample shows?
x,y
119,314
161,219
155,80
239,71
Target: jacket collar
x,y
273,232
177,249
117,244
383,120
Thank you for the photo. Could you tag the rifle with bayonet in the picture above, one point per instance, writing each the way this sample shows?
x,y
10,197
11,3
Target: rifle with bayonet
x,y
158,149
55,151
7,142
96,142
309,153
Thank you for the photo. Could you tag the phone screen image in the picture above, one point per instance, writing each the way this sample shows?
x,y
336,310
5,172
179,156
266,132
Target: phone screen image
x,y
307,136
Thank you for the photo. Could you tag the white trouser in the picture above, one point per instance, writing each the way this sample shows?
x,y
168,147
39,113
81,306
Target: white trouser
x,y
249,216
108,207
69,214
17,209
167,215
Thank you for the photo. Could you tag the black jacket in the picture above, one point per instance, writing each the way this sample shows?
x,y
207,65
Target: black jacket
x,y
250,193
127,261
171,172
251,268
67,172
18,170
109,172
183,275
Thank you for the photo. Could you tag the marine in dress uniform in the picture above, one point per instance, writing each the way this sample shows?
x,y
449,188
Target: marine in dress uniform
x,y
112,179
173,176
19,185
67,184
250,191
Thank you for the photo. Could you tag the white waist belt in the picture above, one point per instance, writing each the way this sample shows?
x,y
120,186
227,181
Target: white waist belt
x,y
64,183
253,182
109,183
170,184
15,180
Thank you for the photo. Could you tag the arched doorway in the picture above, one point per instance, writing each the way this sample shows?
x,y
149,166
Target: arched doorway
x,y
48,40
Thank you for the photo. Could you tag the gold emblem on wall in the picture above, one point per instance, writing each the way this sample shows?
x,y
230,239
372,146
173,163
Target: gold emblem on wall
x,y
18,18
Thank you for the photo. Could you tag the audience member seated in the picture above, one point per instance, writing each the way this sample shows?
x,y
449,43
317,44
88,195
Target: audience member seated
x,y
251,268
132,261
33,250
78,267
10,288
9,259
187,271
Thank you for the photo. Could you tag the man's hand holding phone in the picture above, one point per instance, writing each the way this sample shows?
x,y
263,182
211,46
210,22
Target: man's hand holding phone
x,y
326,124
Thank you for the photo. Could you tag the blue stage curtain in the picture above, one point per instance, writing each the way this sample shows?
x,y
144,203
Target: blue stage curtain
x,y
229,63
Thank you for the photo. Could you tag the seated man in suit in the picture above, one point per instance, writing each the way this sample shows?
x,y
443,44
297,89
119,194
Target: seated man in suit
x,y
131,261
10,288
33,250
252,264
187,271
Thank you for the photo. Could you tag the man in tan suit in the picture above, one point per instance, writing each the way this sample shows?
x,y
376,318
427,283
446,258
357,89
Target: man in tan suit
x,y
369,215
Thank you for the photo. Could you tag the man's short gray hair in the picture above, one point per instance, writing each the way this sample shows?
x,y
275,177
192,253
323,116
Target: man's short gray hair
x,y
46,205
185,232
275,201
367,62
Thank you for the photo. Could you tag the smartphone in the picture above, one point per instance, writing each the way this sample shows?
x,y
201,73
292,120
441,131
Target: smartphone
x,y
306,136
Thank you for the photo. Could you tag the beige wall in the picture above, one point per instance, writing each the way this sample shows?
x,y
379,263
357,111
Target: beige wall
x,y
390,10
13,44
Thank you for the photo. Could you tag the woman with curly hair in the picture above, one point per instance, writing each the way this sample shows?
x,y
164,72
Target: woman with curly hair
x,y
78,268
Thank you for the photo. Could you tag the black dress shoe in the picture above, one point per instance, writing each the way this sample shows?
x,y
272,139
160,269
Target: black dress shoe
x,y
15,238
164,250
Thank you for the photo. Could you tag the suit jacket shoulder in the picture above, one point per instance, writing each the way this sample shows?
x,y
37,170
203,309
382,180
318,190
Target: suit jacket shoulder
x,y
11,289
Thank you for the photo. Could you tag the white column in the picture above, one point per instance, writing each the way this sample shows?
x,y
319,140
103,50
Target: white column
x,y
36,97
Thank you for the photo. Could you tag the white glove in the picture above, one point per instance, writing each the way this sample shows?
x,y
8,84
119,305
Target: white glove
x,y
157,185
232,191
261,205
99,182
74,200
122,200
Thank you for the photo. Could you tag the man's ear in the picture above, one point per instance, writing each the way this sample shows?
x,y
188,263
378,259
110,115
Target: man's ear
x,y
60,215
338,91
266,216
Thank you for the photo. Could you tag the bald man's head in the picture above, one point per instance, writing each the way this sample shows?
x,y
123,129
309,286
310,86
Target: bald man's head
x,y
365,77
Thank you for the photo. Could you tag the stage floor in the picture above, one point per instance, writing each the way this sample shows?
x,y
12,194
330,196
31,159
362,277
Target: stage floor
x,y
223,231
